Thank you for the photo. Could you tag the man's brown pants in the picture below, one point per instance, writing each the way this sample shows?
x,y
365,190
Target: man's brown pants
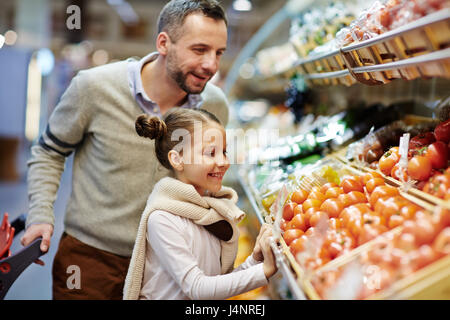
x,y
83,272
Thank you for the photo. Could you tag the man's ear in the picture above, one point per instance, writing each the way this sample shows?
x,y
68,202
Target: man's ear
x,y
176,160
163,43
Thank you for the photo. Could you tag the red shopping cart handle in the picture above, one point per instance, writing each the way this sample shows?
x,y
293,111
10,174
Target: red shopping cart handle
x,y
14,265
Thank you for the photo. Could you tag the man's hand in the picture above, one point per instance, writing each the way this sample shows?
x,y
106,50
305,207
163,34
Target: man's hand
x,y
44,230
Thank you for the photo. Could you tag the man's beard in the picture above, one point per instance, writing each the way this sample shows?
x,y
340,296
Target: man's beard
x,y
179,77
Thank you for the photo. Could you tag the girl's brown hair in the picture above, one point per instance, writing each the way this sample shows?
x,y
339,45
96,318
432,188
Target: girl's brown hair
x,y
161,130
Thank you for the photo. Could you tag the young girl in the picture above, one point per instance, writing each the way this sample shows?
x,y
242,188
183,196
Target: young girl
x,y
188,237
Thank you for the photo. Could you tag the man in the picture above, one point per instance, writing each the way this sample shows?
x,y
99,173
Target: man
x,y
114,169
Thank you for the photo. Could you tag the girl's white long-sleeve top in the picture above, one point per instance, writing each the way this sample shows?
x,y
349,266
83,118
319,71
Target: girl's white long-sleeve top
x,y
183,262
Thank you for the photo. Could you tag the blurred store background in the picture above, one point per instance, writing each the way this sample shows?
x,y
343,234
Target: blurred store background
x,y
313,75
43,44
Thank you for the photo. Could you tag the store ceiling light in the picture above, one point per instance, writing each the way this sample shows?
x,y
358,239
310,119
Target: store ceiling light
x,y
242,5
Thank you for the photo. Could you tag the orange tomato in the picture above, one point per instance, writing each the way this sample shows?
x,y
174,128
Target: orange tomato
x,y
399,173
334,223
307,215
345,199
354,226
311,203
299,196
373,183
333,192
310,232
388,160
317,217
368,233
356,197
298,209
382,191
298,222
392,206
353,212
327,186
351,184
373,219
362,208
298,245
332,207
427,255
408,212
283,225
335,250
346,239
316,194
292,234
395,221
424,231
371,175
419,168
288,210
441,243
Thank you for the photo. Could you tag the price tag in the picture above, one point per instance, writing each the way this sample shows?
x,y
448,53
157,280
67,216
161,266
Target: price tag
x,y
403,150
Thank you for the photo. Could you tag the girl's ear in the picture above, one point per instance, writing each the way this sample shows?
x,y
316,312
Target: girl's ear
x,y
175,160
163,43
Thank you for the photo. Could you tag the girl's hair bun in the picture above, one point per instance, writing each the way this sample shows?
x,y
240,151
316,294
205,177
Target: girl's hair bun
x,y
150,126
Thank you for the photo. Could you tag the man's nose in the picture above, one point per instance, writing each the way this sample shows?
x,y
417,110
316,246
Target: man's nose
x,y
210,63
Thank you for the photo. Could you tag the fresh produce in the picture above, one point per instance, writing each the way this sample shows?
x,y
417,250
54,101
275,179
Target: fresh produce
x,y
442,131
423,240
428,159
333,219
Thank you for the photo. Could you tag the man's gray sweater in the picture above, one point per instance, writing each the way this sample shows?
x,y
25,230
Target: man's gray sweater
x,y
114,170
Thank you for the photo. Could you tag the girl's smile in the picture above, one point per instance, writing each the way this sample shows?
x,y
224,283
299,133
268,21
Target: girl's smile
x,y
208,173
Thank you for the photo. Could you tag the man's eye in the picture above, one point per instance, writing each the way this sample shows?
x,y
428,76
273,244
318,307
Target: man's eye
x,y
200,50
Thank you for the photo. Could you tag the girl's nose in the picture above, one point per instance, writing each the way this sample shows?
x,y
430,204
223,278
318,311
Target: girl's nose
x,y
222,161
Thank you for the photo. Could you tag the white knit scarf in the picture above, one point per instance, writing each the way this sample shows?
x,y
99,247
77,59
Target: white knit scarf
x,y
181,199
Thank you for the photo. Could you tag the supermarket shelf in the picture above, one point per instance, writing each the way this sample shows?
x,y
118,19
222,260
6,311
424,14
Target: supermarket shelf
x,y
435,17
282,263
426,58
283,266
351,61
328,75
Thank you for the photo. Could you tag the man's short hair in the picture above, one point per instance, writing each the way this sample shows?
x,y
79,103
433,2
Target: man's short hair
x,y
174,13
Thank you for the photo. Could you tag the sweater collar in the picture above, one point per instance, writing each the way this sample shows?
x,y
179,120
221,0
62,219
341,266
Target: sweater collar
x,y
194,101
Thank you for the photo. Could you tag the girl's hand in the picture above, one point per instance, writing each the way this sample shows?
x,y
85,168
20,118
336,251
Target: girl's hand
x,y
257,253
269,265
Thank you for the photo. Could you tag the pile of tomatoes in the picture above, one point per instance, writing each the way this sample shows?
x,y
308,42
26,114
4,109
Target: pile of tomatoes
x,y
343,216
428,156
422,240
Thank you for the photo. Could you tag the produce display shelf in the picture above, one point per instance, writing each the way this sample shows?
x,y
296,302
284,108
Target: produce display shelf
x,y
283,265
416,50
431,280
426,58
424,198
